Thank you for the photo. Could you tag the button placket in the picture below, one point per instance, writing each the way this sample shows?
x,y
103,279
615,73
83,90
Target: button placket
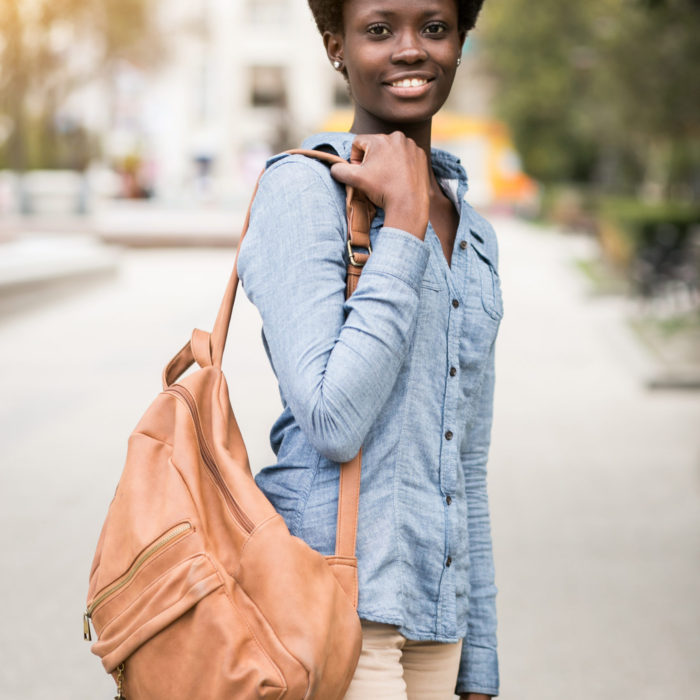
x,y
451,400
457,295
449,454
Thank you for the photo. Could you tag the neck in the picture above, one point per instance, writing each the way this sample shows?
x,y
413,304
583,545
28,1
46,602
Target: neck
x,y
364,123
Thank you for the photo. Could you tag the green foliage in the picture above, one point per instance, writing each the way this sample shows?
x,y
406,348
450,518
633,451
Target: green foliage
x,y
629,227
602,91
48,147
635,213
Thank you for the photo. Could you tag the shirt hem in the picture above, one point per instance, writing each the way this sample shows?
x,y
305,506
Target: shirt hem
x,y
413,635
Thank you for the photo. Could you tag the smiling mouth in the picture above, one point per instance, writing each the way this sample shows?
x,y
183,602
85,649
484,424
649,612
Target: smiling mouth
x,y
409,82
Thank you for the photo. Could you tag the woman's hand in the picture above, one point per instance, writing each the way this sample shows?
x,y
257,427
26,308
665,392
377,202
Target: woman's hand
x,y
393,172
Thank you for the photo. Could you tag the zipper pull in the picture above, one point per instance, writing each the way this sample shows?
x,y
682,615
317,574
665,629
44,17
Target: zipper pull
x,y
120,682
87,636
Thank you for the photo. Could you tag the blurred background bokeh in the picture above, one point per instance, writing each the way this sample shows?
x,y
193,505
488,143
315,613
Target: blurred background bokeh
x,y
131,135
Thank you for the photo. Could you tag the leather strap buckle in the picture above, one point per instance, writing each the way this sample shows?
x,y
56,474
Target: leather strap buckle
x,y
353,260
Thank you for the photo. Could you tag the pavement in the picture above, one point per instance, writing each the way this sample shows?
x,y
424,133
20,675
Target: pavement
x,y
594,479
135,223
138,223
45,259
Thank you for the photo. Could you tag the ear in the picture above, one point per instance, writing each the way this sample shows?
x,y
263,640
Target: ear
x,y
333,41
462,39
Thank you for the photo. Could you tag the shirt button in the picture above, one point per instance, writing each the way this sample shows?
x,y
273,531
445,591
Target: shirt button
x,y
448,500
453,371
455,303
449,561
448,435
462,244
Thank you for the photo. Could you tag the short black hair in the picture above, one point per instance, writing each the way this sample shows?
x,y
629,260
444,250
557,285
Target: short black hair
x,y
328,14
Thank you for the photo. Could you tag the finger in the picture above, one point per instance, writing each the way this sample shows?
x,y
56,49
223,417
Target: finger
x,y
358,150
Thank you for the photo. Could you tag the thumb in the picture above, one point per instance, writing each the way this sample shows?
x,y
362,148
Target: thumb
x,y
347,173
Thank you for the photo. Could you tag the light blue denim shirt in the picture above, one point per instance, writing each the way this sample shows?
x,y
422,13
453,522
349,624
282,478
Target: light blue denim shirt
x,y
405,369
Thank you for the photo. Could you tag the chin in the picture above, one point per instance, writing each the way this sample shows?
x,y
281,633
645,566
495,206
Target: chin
x,y
409,114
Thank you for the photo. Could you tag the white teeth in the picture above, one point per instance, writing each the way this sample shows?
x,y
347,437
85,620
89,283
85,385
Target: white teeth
x,y
409,82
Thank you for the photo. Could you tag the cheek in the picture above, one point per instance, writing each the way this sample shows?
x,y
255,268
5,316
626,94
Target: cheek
x,y
362,77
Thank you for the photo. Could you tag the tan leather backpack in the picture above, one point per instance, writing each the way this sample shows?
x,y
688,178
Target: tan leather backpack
x,y
197,588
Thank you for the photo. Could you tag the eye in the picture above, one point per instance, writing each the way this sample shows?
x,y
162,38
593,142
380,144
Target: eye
x,y
436,28
378,29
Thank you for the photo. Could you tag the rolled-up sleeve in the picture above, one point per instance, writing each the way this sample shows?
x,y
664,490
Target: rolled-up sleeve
x,y
478,671
336,361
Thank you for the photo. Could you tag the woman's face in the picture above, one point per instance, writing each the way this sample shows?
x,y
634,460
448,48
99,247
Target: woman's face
x,y
400,57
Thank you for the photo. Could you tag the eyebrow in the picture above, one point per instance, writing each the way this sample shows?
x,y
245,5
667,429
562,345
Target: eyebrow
x,y
390,13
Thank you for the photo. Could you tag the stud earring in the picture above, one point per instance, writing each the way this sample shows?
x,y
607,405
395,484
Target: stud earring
x,y
459,60
337,64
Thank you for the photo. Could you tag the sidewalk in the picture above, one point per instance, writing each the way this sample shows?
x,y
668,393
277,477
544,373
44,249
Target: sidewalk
x,y
148,223
43,259
144,223
595,492
41,256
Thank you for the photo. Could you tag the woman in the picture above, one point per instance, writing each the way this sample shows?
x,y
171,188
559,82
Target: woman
x,y
404,368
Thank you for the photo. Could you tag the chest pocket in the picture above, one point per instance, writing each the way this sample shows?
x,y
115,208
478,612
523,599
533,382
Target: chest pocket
x,y
491,295
485,304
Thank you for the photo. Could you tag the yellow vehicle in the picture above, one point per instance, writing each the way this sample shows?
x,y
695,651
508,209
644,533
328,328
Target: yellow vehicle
x,y
496,179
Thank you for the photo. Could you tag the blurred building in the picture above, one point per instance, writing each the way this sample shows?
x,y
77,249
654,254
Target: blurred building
x,y
242,79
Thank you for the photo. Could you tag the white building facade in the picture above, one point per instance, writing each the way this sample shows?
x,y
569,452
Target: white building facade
x,y
242,79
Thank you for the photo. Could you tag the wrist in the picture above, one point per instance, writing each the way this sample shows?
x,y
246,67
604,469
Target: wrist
x,y
409,220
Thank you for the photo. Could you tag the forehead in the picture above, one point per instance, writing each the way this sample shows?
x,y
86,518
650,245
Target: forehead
x,y
361,9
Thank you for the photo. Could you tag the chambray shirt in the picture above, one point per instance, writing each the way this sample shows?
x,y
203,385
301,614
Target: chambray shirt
x,y
405,369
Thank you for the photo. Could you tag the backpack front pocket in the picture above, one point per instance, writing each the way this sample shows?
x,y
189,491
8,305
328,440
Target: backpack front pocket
x,y
176,632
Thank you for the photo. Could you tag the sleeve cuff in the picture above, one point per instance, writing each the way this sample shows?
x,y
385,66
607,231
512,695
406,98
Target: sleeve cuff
x,y
479,671
399,254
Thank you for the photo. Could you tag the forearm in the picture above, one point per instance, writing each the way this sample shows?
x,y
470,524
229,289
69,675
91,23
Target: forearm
x,y
337,392
336,360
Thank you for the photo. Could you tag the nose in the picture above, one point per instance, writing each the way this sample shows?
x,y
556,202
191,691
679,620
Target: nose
x,y
409,49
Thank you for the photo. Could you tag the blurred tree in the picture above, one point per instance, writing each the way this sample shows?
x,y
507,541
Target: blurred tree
x,y
603,91
49,48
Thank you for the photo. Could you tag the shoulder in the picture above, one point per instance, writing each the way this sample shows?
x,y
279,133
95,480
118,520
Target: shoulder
x,y
296,166
304,183
300,184
294,169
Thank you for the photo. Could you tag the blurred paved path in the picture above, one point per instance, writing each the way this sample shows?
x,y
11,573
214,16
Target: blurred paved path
x,y
595,482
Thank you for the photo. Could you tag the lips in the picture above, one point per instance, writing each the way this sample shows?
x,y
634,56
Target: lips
x,y
409,79
409,85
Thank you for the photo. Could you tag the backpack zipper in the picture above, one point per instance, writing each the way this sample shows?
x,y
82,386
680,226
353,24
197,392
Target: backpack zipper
x,y
174,533
178,530
243,520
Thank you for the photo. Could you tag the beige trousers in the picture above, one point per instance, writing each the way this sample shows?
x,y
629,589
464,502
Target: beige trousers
x,y
392,667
